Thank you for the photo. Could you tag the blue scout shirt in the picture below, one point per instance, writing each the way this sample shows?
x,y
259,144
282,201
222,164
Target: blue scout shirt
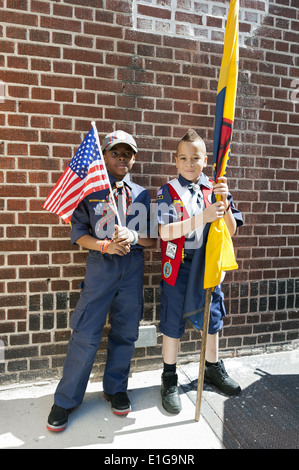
x,y
90,210
187,296
166,210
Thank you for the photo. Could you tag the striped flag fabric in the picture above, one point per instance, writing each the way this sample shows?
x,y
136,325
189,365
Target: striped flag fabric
x,y
220,255
226,93
85,174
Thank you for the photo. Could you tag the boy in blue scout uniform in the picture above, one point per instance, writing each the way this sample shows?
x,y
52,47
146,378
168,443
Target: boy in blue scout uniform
x,y
183,228
113,282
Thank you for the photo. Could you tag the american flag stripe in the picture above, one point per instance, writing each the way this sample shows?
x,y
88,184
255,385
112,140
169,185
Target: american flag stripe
x,y
90,185
67,215
54,191
94,178
70,197
70,207
65,191
95,175
71,204
57,191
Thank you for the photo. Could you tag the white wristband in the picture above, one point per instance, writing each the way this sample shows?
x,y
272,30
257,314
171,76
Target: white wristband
x,y
135,234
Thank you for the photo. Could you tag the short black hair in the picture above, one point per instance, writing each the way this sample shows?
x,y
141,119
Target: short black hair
x,y
192,136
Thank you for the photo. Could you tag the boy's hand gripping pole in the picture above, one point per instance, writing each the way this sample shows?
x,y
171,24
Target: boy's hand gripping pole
x,y
202,360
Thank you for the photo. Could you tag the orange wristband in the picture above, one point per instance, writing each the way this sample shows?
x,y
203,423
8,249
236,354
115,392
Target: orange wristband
x,y
104,246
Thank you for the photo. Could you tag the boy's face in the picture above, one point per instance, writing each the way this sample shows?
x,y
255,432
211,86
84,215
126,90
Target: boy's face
x,y
119,160
190,160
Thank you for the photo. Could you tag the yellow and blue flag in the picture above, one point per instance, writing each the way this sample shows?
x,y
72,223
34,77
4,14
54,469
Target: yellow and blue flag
x,y
220,255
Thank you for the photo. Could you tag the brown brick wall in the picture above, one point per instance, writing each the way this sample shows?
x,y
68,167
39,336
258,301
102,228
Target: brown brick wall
x,y
151,70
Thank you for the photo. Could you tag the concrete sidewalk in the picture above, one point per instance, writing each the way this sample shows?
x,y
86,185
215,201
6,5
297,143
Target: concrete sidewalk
x,y
264,415
24,411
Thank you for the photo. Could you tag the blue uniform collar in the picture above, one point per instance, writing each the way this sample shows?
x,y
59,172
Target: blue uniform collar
x,y
203,180
126,179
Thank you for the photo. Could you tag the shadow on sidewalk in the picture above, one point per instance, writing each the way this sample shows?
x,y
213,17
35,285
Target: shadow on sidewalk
x,y
265,415
93,425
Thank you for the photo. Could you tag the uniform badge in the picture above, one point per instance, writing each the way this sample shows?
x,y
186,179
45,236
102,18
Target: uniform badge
x,y
171,250
99,209
160,194
167,269
179,207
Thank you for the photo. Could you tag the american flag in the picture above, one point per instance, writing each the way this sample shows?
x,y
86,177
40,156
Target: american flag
x,y
85,174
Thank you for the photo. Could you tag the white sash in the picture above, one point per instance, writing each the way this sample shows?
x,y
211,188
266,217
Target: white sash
x,y
184,194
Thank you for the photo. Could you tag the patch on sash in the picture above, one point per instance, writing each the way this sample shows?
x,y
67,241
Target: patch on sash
x,y
179,207
167,269
171,250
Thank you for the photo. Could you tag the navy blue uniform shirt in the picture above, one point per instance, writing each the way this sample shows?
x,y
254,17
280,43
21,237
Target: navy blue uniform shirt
x,y
88,213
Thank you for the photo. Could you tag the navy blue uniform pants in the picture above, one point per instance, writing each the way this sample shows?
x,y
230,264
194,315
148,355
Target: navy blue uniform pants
x,y
173,303
112,284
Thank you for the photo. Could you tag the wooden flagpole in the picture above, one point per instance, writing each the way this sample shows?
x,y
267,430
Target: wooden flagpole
x,y
202,359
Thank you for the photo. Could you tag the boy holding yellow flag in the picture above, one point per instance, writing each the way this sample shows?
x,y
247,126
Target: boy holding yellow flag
x,y
186,207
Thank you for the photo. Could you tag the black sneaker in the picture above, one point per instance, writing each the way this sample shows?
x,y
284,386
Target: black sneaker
x,y
216,374
120,403
58,418
171,400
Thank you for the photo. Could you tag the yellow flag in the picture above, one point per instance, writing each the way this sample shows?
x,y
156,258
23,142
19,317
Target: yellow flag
x,y
219,249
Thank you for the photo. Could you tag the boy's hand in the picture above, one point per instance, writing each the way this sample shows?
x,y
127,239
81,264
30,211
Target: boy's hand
x,y
213,212
115,248
122,235
221,189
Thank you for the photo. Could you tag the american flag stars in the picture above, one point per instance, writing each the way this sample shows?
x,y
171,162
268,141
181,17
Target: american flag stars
x,y
85,155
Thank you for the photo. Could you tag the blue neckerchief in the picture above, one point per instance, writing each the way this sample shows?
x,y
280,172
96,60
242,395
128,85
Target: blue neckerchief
x,y
203,180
